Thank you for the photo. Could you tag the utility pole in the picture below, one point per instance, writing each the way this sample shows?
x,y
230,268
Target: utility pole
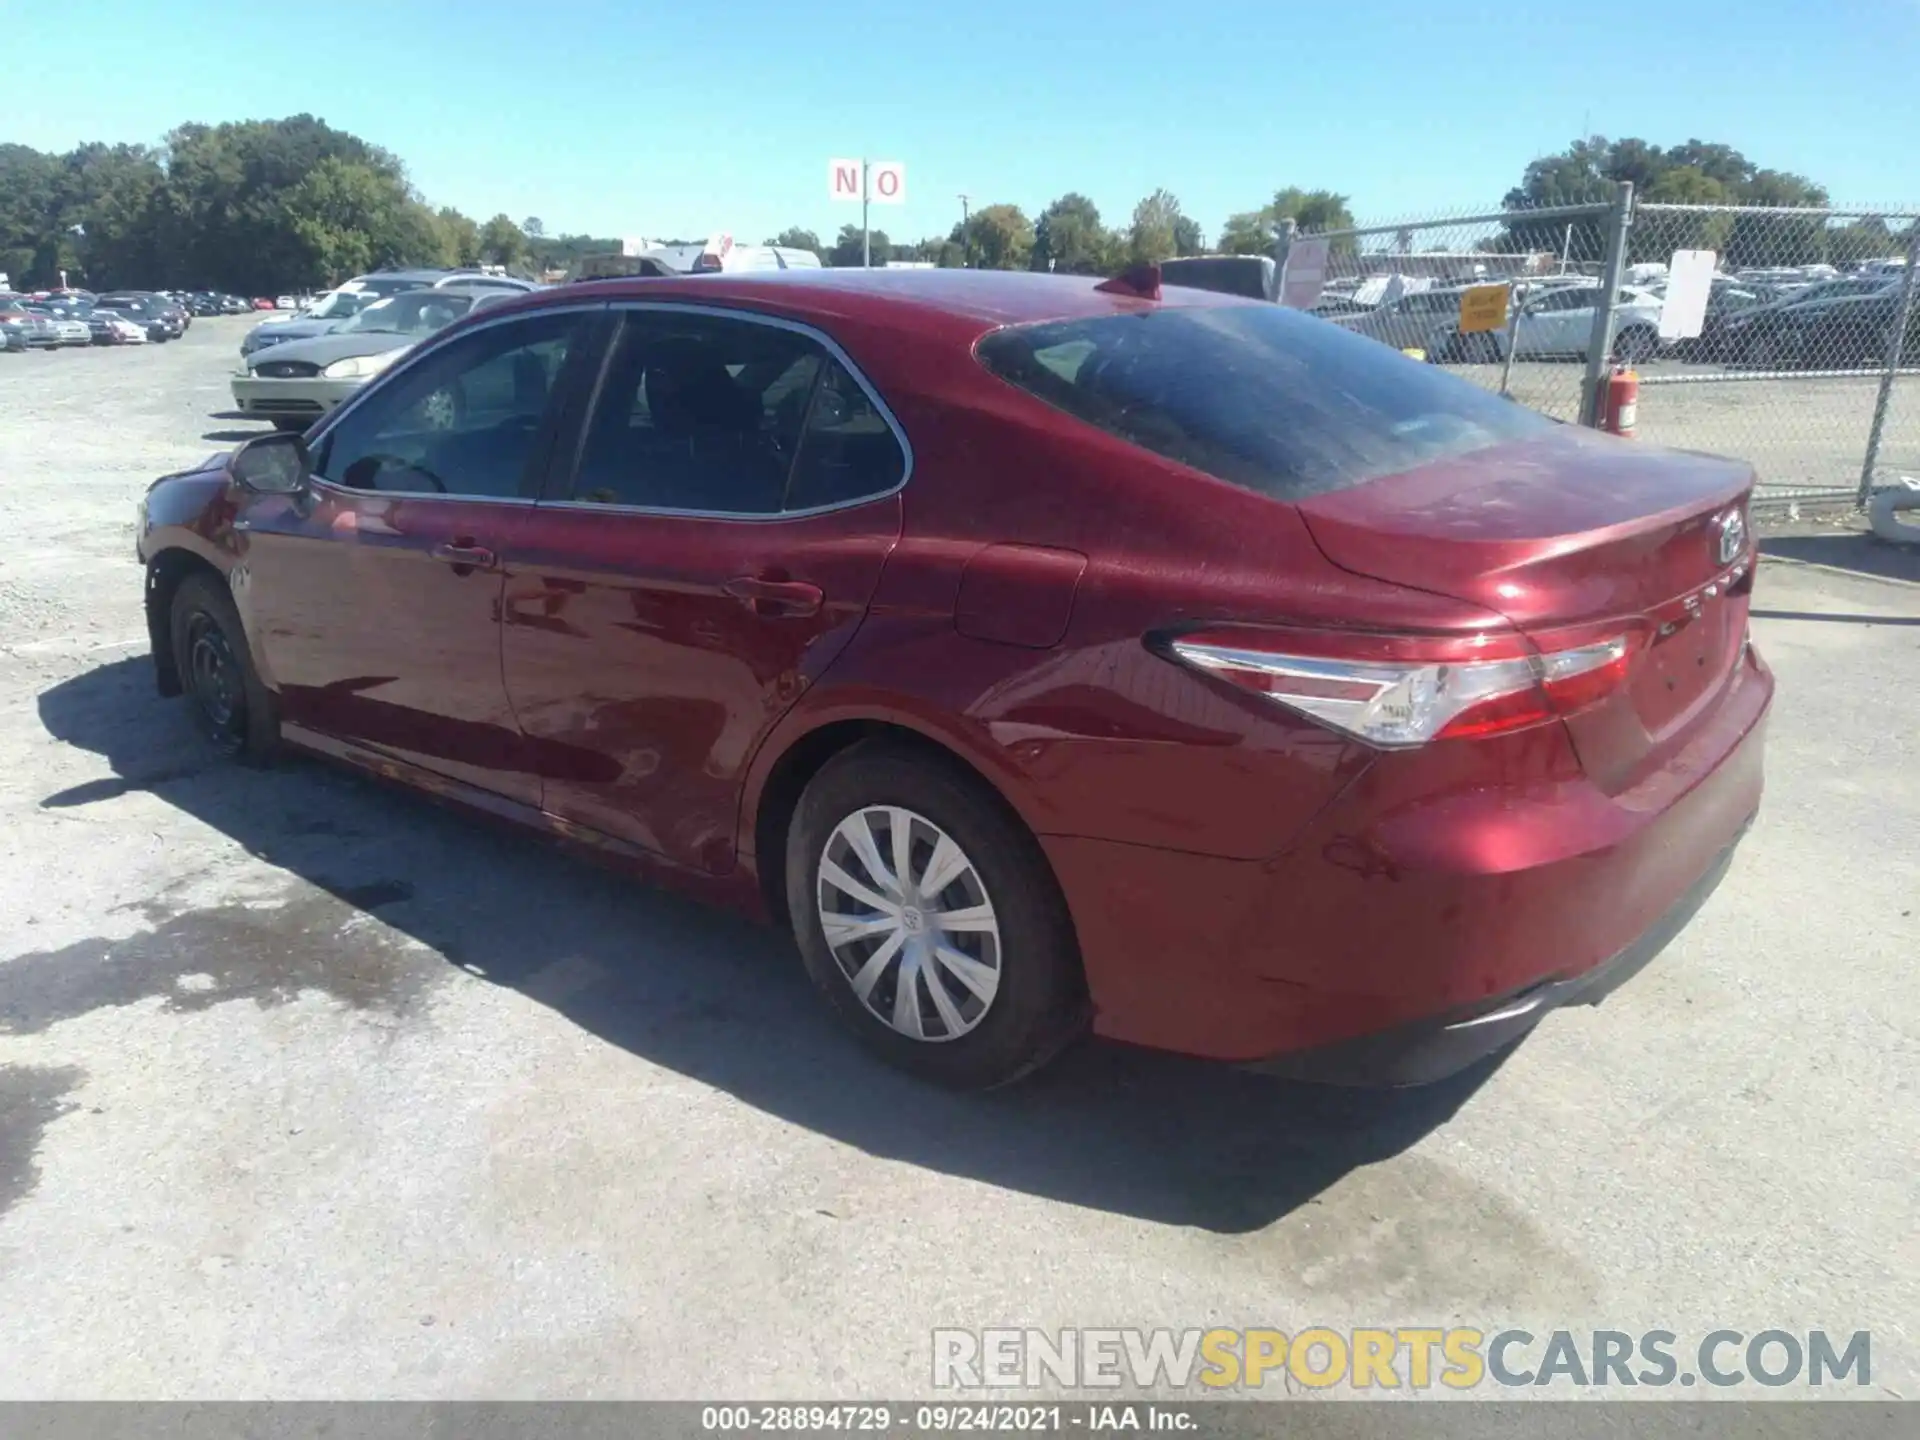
x,y
866,235
966,237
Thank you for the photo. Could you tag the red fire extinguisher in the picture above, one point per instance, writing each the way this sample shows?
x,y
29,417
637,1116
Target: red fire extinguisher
x,y
1623,401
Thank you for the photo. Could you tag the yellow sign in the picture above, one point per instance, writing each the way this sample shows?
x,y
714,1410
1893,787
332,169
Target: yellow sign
x,y
1484,307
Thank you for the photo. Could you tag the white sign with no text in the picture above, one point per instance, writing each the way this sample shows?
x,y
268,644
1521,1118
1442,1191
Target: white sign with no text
x,y
1689,286
1306,274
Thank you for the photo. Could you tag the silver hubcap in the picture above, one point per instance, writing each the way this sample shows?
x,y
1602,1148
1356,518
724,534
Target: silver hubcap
x,y
909,922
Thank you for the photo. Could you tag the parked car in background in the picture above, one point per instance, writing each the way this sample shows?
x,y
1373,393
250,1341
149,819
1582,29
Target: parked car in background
x,y
295,383
1044,654
1756,335
1254,277
1728,300
263,302
69,331
35,332
286,302
161,319
1555,321
13,338
1843,332
1333,307
110,327
1413,321
356,294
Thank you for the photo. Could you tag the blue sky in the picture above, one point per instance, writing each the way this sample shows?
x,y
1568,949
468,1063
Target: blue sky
x,y
637,119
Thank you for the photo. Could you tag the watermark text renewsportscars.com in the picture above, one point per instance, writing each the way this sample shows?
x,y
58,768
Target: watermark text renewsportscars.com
x,y
1396,1358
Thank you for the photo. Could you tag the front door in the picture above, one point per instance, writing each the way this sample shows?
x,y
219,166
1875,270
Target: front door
x,y
708,554
374,603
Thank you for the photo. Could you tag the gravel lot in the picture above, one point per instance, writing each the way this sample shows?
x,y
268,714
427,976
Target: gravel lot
x,y
309,1088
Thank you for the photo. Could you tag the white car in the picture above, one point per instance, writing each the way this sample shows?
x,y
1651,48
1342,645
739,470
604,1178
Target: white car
x,y
1557,320
286,302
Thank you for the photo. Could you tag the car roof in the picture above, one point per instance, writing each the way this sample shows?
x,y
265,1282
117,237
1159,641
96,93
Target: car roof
x,y
960,302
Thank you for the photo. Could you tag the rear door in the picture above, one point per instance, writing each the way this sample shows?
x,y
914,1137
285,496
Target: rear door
x,y
704,551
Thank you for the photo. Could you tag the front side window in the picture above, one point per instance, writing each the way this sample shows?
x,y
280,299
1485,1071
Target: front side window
x,y
464,421
1260,396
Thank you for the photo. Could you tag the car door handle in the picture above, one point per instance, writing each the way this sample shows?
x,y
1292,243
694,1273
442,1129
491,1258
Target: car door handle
x,y
465,557
776,597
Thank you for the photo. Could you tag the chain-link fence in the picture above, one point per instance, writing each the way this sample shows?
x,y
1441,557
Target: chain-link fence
x,y
1802,355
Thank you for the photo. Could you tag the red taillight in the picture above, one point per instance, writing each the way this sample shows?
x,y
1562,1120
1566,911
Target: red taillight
x,y
1402,690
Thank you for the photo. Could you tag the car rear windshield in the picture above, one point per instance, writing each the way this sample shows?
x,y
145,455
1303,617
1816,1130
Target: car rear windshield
x,y
1258,395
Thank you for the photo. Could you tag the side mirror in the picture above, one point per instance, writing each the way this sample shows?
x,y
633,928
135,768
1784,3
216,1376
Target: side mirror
x,y
275,464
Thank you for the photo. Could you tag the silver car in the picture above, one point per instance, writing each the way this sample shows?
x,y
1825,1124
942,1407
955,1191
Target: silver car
x,y
67,330
295,384
342,304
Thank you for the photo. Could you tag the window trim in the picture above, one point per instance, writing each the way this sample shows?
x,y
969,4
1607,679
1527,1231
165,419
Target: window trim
x,y
561,475
425,352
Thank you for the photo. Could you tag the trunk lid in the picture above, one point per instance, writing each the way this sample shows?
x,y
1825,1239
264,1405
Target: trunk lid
x,y
1576,534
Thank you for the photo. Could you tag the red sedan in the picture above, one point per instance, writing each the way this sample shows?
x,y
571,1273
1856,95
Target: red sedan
x,y
1047,654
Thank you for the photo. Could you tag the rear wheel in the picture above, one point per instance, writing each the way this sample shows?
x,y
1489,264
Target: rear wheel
x,y
296,427
231,706
928,918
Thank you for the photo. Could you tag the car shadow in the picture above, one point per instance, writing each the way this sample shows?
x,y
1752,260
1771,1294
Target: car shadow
x,y
723,1001
1854,550
235,437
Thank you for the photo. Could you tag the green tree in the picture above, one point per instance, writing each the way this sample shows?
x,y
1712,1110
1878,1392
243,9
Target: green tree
x,y
1696,172
847,250
1000,237
108,213
1249,232
1153,236
1313,212
1188,237
459,237
503,243
794,238
534,228
1069,238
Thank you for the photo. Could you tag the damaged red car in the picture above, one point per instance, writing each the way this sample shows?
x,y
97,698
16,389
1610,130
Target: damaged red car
x,y
1046,654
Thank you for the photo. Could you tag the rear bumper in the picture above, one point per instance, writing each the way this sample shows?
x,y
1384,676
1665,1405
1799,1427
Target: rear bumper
x,y
1395,939
1432,1049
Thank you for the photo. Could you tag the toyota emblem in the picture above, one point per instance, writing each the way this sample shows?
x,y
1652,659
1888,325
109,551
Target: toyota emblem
x,y
1733,536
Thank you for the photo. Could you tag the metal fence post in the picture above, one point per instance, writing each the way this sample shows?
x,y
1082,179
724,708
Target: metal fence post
x,y
1282,249
1896,345
1514,301
1613,268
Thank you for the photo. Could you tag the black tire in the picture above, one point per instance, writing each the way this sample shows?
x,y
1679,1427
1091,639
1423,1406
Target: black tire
x,y
1039,1006
294,427
231,706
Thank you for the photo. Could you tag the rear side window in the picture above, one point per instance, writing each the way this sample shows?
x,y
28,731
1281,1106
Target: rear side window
x,y
722,415
848,451
1261,396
